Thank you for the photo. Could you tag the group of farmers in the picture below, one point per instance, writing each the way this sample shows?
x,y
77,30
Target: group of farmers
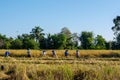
x,y
66,53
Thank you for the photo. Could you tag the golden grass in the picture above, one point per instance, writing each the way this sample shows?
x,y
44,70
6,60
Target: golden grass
x,y
3,76
60,53
21,71
18,67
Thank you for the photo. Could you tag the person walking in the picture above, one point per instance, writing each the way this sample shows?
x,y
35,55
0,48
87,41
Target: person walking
x,y
7,53
77,53
66,53
28,52
53,53
43,52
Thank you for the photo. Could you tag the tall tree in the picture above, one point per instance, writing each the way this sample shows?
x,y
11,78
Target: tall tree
x,y
37,34
109,45
66,32
87,40
16,44
28,42
50,42
116,27
58,41
75,39
100,42
116,30
117,42
3,42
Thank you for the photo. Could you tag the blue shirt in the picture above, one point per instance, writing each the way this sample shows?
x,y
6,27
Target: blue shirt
x,y
7,53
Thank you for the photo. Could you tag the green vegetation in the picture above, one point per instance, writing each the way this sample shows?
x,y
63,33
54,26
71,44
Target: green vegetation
x,y
64,39
97,64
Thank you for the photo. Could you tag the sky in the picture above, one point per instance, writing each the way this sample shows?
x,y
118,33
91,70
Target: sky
x,y
20,16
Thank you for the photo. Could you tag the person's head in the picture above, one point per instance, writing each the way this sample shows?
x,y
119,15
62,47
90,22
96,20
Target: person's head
x,y
76,50
53,51
28,49
66,51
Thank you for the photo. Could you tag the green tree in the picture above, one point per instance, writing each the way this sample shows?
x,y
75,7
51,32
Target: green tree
x,y
58,41
109,45
118,38
75,39
37,34
87,40
116,27
28,42
69,43
4,42
100,42
24,36
32,44
55,41
66,32
7,44
16,44
116,30
49,43
117,42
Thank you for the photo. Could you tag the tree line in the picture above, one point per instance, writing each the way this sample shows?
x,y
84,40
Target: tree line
x,y
37,39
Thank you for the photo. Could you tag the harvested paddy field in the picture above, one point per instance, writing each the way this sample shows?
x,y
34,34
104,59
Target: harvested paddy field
x,y
49,68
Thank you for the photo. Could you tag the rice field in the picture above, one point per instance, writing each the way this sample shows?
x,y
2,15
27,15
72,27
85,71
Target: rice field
x,y
91,65
60,53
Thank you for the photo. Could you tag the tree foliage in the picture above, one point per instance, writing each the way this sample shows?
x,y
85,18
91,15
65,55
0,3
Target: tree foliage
x,y
37,34
116,27
66,32
69,43
36,39
16,44
100,42
87,39
116,30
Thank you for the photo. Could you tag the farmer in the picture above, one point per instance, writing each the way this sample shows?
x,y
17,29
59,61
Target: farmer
x,y
7,53
53,53
44,53
66,53
77,53
28,52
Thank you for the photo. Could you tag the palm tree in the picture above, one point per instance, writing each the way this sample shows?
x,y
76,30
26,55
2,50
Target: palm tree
x,y
37,34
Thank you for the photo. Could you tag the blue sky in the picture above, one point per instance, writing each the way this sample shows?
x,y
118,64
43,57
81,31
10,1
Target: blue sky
x,y
20,16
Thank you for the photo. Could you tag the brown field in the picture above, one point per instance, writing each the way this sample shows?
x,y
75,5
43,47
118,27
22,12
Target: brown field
x,y
60,53
91,65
